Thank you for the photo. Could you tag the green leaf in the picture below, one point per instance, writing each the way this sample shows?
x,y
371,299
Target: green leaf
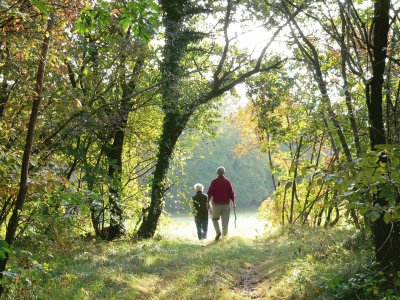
x,y
387,217
41,5
373,215
154,6
125,23
4,249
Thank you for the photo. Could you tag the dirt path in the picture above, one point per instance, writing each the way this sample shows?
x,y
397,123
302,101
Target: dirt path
x,y
249,282
259,278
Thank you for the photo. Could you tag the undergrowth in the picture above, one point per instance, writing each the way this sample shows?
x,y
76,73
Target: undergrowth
x,y
327,264
290,263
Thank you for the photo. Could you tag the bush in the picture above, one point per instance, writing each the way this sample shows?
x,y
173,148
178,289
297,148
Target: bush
x,y
367,282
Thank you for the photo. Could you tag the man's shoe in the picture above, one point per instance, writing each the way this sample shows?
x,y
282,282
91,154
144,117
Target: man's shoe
x,y
217,236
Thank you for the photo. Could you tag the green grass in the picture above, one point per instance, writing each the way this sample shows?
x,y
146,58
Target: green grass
x,y
313,263
294,263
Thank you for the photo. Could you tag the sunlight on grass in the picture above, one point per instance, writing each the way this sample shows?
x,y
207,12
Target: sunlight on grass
x,y
289,263
308,261
247,226
164,269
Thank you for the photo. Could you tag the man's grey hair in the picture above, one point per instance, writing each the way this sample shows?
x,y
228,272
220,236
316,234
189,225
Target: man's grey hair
x,y
198,187
221,171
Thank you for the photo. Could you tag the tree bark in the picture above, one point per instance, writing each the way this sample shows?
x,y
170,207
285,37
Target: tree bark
x,y
176,41
3,97
114,156
23,183
328,216
337,217
386,236
346,87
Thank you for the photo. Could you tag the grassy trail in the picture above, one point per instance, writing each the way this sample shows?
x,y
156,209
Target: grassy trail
x,y
233,268
282,264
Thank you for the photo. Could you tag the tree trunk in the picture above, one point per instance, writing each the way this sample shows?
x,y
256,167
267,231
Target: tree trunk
x,y
3,97
319,217
396,127
177,106
23,184
316,166
271,165
176,114
114,156
302,215
283,207
346,87
387,87
337,217
172,128
386,236
328,217
296,161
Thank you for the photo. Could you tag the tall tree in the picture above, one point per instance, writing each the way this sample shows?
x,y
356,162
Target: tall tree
x,y
310,53
112,39
179,105
386,234
23,183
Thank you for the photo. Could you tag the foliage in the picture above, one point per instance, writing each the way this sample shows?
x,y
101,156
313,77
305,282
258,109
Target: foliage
x,y
317,262
309,118
85,96
298,151
330,264
4,249
140,17
376,172
366,282
117,95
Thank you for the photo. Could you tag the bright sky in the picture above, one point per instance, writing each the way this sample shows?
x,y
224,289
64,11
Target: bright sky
x,y
253,37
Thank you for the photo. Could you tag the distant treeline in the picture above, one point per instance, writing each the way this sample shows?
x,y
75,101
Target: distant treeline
x,y
249,173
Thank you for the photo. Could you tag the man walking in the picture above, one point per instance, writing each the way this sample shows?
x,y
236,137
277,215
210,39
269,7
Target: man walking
x,y
222,195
